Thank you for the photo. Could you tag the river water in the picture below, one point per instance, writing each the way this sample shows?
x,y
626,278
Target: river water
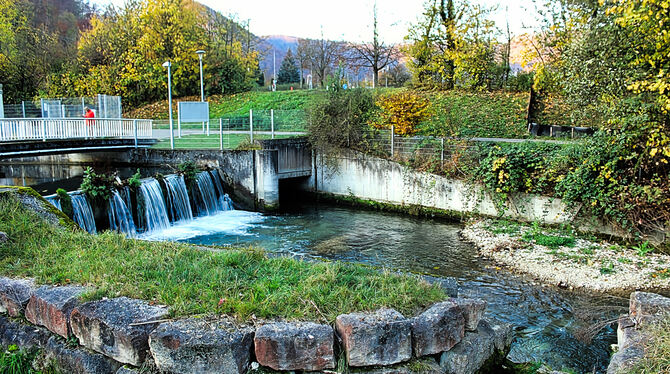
x,y
544,316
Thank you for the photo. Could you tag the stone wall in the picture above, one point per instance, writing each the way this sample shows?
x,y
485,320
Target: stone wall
x,y
120,335
645,308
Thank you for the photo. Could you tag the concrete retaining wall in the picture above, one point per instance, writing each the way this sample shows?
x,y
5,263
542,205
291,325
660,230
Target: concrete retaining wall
x,y
371,178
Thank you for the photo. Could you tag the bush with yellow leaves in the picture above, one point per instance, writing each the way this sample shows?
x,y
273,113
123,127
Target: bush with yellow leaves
x,y
403,110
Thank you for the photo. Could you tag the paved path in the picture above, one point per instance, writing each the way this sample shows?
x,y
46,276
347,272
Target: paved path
x,y
165,134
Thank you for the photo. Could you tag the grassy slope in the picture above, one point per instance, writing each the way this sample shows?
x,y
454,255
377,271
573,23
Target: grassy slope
x,y
467,114
240,282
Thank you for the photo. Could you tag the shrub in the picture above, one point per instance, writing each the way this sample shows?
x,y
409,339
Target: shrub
x,y
403,110
339,118
135,181
189,170
97,186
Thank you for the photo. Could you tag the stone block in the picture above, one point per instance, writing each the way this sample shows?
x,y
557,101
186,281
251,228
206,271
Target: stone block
x,y
50,307
295,346
23,335
117,327
488,344
473,310
78,360
379,338
437,329
645,306
14,295
198,346
424,365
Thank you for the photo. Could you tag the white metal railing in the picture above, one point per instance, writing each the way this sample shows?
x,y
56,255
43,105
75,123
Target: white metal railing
x,y
13,129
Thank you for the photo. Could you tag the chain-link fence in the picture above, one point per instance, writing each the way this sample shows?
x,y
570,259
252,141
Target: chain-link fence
x,y
104,106
427,153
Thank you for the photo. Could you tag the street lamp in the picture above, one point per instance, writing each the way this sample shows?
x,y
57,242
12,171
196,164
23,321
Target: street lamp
x,y
168,65
200,53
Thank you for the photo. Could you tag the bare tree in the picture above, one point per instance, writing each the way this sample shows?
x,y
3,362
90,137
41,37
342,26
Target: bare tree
x,y
376,55
323,54
303,56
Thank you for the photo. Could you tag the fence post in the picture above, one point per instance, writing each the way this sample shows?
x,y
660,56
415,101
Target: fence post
x,y
392,139
135,128
83,106
207,127
251,125
272,123
23,108
221,134
44,130
442,155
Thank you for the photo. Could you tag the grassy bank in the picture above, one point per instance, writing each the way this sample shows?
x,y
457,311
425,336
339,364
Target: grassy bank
x,y
239,282
657,353
200,141
454,113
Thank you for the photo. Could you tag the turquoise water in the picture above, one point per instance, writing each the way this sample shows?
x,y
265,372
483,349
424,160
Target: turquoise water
x,y
545,317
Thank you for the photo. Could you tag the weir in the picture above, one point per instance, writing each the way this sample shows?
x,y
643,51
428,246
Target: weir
x,y
83,214
158,204
120,218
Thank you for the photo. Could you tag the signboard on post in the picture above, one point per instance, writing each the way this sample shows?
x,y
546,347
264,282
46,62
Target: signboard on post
x,y
193,112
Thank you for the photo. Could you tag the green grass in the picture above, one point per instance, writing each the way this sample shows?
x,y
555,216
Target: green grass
x,y
455,113
469,114
237,282
200,141
657,351
551,241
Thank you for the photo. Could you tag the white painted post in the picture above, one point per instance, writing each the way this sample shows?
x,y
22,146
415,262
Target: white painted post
x,y
251,125
44,130
178,125
83,107
135,128
442,156
23,108
272,123
573,133
392,139
207,128
221,134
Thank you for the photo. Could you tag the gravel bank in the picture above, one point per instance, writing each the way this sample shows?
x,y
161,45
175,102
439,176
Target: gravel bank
x,y
587,265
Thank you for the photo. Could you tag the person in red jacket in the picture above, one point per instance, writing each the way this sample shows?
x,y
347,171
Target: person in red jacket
x,y
88,114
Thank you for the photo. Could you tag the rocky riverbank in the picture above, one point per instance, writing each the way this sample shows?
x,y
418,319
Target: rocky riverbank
x,y
560,259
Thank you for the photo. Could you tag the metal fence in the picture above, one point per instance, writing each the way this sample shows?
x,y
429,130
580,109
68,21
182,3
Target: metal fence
x,y
104,106
17,129
423,152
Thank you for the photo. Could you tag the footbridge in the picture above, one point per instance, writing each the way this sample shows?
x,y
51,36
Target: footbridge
x,y
45,136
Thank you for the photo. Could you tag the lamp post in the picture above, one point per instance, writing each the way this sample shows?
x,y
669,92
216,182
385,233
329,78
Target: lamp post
x,y
168,65
200,53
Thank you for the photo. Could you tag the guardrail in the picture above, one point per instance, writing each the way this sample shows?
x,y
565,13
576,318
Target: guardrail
x,y
17,129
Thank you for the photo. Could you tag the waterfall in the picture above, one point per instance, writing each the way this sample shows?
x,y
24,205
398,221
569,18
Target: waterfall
x,y
83,214
208,193
177,198
125,194
54,200
224,200
155,212
120,218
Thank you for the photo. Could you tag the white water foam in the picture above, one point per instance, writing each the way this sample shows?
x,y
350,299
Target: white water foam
x,y
229,222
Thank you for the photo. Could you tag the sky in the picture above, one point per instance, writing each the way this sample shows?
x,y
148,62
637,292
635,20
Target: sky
x,y
349,20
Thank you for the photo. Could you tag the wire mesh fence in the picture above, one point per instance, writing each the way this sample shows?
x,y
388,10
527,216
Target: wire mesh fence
x,y
427,153
104,106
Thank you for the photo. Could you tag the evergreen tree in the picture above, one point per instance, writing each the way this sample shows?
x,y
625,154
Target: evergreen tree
x,y
288,71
